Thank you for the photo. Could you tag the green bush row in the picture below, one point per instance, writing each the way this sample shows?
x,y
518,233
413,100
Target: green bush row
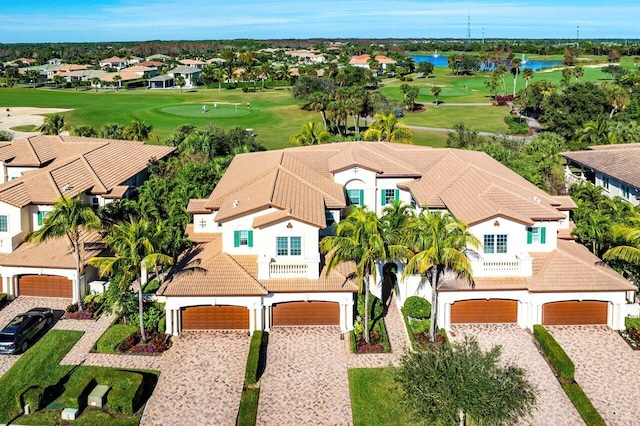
x,y
417,307
253,359
583,404
557,357
124,396
248,407
412,338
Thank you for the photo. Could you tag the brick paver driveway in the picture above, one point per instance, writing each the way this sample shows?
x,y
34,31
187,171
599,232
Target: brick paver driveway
x,y
201,380
554,407
606,369
305,381
23,304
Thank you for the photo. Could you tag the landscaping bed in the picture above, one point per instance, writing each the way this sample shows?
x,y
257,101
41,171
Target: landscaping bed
x,y
37,379
91,308
378,339
416,312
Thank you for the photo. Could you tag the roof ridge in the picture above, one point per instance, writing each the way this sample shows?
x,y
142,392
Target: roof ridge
x,y
32,149
247,183
238,266
394,160
305,181
83,158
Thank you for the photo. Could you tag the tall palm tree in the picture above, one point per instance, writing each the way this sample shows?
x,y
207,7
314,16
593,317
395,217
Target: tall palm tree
x,y
395,215
389,128
527,74
435,91
593,230
515,70
360,238
33,76
69,218
52,124
310,134
180,82
593,132
116,82
137,130
629,252
437,241
132,245
95,81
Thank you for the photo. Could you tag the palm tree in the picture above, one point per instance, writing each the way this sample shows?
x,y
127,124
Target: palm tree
x,y
578,73
593,230
499,74
436,90
594,132
69,217
527,74
437,241
180,82
388,128
515,70
33,76
629,252
52,124
116,81
95,81
131,243
360,238
310,134
137,130
395,215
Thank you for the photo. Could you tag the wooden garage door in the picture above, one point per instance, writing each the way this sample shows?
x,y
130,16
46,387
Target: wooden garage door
x,y
45,285
215,318
306,313
484,311
574,313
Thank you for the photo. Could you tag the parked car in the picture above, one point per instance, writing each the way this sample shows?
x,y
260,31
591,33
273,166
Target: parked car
x,y
15,337
399,113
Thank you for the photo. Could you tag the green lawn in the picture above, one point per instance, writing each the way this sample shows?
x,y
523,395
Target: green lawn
x,y
273,114
38,370
375,398
113,336
481,119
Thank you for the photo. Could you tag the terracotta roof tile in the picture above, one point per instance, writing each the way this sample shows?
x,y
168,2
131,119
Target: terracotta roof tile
x,y
200,237
196,206
618,161
564,202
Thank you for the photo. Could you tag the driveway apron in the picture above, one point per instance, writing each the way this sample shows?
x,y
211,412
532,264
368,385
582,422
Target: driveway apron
x,y
305,381
606,369
554,407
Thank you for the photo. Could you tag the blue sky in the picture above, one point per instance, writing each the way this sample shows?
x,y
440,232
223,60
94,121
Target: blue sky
x,y
136,20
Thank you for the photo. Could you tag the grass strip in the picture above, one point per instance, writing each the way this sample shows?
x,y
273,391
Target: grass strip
x,y
583,404
248,407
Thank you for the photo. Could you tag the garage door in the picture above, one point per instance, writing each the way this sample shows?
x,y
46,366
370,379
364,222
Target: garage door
x,y
484,311
306,313
45,286
215,318
574,313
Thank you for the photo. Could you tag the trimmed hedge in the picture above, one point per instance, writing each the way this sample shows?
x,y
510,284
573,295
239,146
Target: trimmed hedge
x,y
33,396
124,396
417,307
253,359
248,407
583,404
558,358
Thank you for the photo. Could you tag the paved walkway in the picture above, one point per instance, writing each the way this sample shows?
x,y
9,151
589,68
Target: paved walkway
x,y
305,381
606,369
201,381
554,407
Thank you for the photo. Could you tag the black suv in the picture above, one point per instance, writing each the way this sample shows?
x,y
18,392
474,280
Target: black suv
x,y
16,335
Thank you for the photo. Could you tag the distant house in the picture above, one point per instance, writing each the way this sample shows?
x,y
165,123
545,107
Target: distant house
x,y
64,70
190,74
124,77
612,167
195,63
156,64
142,70
306,56
114,62
55,61
362,61
159,57
25,61
217,61
35,172
161,82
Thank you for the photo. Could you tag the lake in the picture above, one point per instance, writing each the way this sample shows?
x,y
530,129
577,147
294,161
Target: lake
x,y
441,61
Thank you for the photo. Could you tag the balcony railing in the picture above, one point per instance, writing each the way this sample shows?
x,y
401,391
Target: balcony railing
x,y
513,266
288,270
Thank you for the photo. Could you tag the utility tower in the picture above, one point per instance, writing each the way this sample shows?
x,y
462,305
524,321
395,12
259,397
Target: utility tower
x,y
482,35
469,28
577,36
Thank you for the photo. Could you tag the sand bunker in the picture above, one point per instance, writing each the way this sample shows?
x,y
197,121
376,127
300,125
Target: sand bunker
x,y
24,116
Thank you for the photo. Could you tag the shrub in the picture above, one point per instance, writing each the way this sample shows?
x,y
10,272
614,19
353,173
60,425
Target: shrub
x,y
253,359
3,298
72,308
162,325
113,337
33,396
408,79
583,404
417,307
517,126
6,135
557,357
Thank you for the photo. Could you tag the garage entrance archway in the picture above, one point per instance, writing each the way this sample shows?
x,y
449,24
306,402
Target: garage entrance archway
x,y
306,313
215,318
484,311
575,313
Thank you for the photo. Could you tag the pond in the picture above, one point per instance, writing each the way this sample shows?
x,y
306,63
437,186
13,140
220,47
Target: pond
x,y
441,61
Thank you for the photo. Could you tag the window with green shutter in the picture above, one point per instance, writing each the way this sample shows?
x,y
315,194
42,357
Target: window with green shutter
x,y
41,216
243,238
389,195
4,223
356,196
536,235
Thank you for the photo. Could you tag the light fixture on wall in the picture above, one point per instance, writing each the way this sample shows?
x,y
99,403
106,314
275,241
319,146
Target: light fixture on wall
x,y
289,225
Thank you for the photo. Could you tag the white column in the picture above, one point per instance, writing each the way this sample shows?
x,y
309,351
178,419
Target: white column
x,y
169,324
349,307
267,317
252,320
259,318
8,287
446,313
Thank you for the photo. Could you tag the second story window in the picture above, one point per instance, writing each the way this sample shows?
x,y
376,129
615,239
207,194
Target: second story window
x,y
388,195
605,182
536,235
41,216
626,192
289,246
495,243
356,196
4,223
243,238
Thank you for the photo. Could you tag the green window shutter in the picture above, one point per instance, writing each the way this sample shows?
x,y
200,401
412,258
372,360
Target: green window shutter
x,y
236,238
543,235
362,197
397,195
382,197
529,236
250,238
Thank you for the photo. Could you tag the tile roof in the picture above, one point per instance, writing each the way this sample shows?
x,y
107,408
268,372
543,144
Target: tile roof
x,y
618,161
207,271
364,59
54,253
196,206
569,268
113,59
299,183
70,165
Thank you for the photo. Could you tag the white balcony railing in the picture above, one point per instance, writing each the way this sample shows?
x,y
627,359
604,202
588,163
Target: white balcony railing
x,y
288,270
513,266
